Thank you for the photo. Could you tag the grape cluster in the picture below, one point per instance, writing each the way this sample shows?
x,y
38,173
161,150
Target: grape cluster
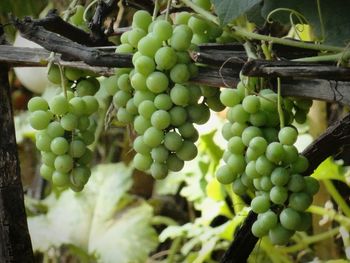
x,y
155,96
65,129
261,157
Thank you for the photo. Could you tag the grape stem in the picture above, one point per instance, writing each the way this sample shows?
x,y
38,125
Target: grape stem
x,y
332,214
207,15
167,10
155,10
279,103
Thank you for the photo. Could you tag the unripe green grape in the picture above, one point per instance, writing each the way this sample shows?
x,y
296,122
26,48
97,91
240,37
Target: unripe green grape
x,y
141,124
160,154
140,96
303,104
80,175
142,162
46,172
258,119
238,128
77,106
300,165
43,141
280,176
251,155
146,109
268,102
141,19
135,35
187,130
54,129
59,105
180,73
258,145
300,201
209,91
130,107
237,163
205,4
140,146
224,175
159,170
59,146
60,179
39,119
288,135
86,158
235,145
265,183
124,116
197,25
278,195
238,114
153,137
230,97
183,57
124,83
215,104
250,133
250,170
238,187
37,103
144,65
138,81
259,230
200,39
257,184
226,131
86,88
195,94
87,137
163,102
198,114
165,58
73,73
121,98
172,141
182,18
280,235
69,122
157,82
77,148
251,104
188,151
91,104
48,158
124,48
289,218
300,116
263,166
54,75
149,45
83,123
311,185
270,134
260,204
124,38
272,119
163,29
268,219
181,38
290,154
305,222
296,183
275,152
160,119
63,163
174,163
179,95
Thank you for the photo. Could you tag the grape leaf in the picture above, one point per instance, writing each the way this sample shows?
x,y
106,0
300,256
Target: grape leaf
x,y
335,17
228,10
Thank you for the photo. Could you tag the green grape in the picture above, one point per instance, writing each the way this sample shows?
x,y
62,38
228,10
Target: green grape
x,y
173,141
270,134
187,130
86,88
43,141
296,183
275,152
200,39
86,158
215,104
160,154
163,29
39,119
205,4
238,128
135,35
124,116
179,95
160,119
91,104
149,45
226,131
178,116
124,48
288,135
159,170
124,38
260,204
195,94
238,187
237,163
174,163
146,109
48,158
265,183
163,102
230,97
140,146
257,184
209,91
183,57
198,113
290,219
259,230
311,185
268,219
300,201
37,103
141,124
142,162
300,165
144,65
87,137
83,123
251,104
157,82
80,175
180,73
224,175
54,75
290,154
238,114
182,18
77,106
258,119
278,195
60,179
305,222
303,104
59,146
268,102
121,98
181,38
258,145
153,137
251,155
124,83
165,58
188,151
235,145
138,81
77,148
63,163
141,19
250,170
131,108
197,25
73,73
250,133
280,235
69,122
263,166
46,172
280,176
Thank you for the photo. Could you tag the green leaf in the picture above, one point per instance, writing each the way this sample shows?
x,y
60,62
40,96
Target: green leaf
x,y
335,16
228,10
329,170
207,145
102,220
